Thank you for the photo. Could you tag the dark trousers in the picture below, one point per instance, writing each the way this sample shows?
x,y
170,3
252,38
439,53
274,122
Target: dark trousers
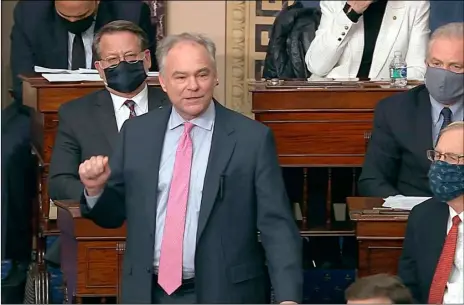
x,y
185,294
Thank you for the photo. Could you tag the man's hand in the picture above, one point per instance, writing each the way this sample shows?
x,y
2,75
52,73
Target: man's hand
x,y
359,6
94,174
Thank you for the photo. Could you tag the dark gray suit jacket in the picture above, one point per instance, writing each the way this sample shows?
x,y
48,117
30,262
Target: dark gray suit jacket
x,y
422,247
229,261
87,127
396,160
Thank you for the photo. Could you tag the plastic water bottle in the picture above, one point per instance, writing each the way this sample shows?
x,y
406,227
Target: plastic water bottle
x,y
398,71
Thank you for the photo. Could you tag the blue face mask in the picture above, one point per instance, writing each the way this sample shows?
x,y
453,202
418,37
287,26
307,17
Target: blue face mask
x,y
446,180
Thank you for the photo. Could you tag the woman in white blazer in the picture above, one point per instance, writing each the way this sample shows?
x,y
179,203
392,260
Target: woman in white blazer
x,y
337,50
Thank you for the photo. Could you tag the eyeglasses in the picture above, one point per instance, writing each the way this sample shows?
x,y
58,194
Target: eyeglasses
x,y
113,61
433,155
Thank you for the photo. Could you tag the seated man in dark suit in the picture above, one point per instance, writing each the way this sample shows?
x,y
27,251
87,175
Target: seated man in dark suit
x,y
432,262
407,124
89,125
59,34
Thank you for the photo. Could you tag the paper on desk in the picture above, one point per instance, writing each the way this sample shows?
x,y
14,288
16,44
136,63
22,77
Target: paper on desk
x,y
74,77
403,202
53,212
38,69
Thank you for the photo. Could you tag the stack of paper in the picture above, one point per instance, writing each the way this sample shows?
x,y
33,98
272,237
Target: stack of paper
x,y
81,75
403,202
73,77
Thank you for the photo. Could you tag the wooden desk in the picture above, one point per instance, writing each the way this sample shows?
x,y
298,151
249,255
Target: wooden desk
x,y
319,127
380,235
90,255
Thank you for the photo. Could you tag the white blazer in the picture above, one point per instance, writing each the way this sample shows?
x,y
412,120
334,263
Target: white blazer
x,y
337,49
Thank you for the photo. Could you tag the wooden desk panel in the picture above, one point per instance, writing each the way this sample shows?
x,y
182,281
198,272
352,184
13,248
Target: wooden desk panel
x,y
90,255
380,237
319,127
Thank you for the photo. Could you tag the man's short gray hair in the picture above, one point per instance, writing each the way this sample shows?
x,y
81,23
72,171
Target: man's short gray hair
x,y
170,41
452,126
453,30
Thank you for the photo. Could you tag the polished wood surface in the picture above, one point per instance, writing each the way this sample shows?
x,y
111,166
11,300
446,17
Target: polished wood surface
x,y
319,125
380,234
90,255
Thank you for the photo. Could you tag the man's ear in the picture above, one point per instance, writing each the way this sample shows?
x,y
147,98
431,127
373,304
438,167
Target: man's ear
x,y
101,72
147,60
162,83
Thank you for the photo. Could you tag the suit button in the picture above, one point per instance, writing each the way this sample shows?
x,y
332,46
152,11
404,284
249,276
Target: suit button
x,y
339,39
343,33
148,269
346,27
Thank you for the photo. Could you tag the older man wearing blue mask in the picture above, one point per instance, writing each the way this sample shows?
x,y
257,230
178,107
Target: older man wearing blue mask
x,y
408,124
431,265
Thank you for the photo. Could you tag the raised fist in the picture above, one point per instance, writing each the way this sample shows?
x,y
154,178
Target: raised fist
x,y
94,174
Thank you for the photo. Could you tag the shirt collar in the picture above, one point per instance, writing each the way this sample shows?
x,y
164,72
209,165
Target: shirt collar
x,y
453,213
437,107
205,120
141,99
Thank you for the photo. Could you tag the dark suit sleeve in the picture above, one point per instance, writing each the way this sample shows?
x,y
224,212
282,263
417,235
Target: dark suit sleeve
x,y
110,210
381,164
22,52
64,182
279,233
150,30
407,270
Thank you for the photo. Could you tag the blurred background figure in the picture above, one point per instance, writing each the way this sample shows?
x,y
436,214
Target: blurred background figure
x,y
348,46
378,289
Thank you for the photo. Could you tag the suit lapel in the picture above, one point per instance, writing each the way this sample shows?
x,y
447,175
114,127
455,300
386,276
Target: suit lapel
x,y
437,238
222,147
60,43
423,132
154,150
389,30
156,98
104,112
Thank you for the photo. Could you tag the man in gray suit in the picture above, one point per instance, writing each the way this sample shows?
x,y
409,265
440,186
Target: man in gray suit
x,y
195,182
89,125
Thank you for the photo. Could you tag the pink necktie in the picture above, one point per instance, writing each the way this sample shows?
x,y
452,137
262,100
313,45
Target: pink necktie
x,y
170,265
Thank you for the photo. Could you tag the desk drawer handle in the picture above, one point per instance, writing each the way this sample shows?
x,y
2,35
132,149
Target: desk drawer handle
x,y
120,247
367,138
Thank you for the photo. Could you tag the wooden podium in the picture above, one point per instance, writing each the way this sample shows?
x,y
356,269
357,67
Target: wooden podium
x,y
380,234
90,255
319,125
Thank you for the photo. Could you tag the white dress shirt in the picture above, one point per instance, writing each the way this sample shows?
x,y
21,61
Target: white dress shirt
x,y
122,112
455,287
201,134
87,38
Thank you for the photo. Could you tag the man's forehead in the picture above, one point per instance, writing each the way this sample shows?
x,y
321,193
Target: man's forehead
x,y
452,141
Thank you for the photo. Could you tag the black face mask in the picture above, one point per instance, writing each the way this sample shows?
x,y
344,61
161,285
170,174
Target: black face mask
x,y
78,26
126,77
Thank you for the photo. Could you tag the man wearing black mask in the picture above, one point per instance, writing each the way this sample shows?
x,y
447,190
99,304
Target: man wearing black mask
x,y
407,124
58,34
89,125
